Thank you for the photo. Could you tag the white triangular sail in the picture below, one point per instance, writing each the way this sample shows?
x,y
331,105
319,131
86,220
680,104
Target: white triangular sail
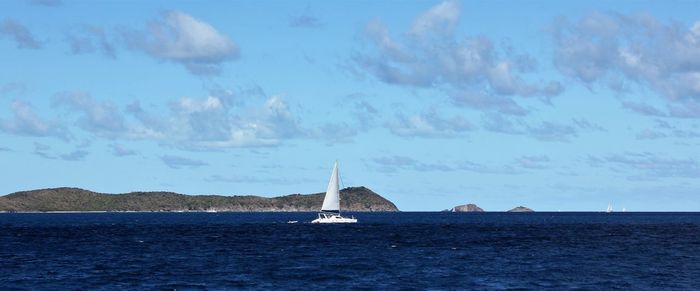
x,y
330,211
331,203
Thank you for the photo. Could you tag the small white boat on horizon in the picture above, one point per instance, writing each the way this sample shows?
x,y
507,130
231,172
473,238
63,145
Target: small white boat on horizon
x,y
610,209
330,211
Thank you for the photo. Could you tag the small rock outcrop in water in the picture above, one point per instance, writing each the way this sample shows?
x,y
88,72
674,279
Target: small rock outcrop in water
x,y
521,209
466,208
75,199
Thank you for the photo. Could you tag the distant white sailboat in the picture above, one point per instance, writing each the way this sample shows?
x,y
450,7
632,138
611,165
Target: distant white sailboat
x,y
330,211
610,209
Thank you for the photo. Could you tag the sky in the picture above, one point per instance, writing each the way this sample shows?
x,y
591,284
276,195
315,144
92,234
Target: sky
x,y
554,105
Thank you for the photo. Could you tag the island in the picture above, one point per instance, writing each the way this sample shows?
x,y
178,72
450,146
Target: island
x,y
521,209
76,199
466,208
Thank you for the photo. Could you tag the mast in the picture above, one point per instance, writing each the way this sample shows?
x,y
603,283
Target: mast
x,y
337,173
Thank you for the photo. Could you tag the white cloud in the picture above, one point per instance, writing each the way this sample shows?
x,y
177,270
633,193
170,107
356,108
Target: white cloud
x,y
177,162
498,123
429,124
305,20
77,155
587,125
552,131
633,51
257,180
20,34
200,119
334,132
120,151
396,163
664,129
90,39
277,120
365,114
489,103
442,17
27,122
16,88
434,54
40,150
190,105
549,131
100,118
533,162
149,126
208,123
181,38
645,165
685,109
211,123
642,108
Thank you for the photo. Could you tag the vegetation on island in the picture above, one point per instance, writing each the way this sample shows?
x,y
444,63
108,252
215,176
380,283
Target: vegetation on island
x,y
521,209
76,199
474,208
466,208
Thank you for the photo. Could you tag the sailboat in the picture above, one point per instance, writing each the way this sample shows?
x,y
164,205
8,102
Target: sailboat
x,y
609,208
330,211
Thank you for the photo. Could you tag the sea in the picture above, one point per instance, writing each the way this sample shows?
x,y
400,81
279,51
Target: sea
x,y
386,251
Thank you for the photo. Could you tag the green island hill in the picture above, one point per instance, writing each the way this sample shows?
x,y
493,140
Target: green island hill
x,y
76,199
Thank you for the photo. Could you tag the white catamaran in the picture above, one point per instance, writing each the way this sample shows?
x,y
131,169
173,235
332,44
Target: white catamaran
x,y
330,211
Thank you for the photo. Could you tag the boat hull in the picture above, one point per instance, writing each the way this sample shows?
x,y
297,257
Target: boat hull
x,y
325,218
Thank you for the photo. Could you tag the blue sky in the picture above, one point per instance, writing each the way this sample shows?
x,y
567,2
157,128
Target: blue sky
x,y
555,105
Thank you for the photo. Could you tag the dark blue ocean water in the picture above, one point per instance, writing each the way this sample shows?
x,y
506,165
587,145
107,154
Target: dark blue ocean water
x,y
383,251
